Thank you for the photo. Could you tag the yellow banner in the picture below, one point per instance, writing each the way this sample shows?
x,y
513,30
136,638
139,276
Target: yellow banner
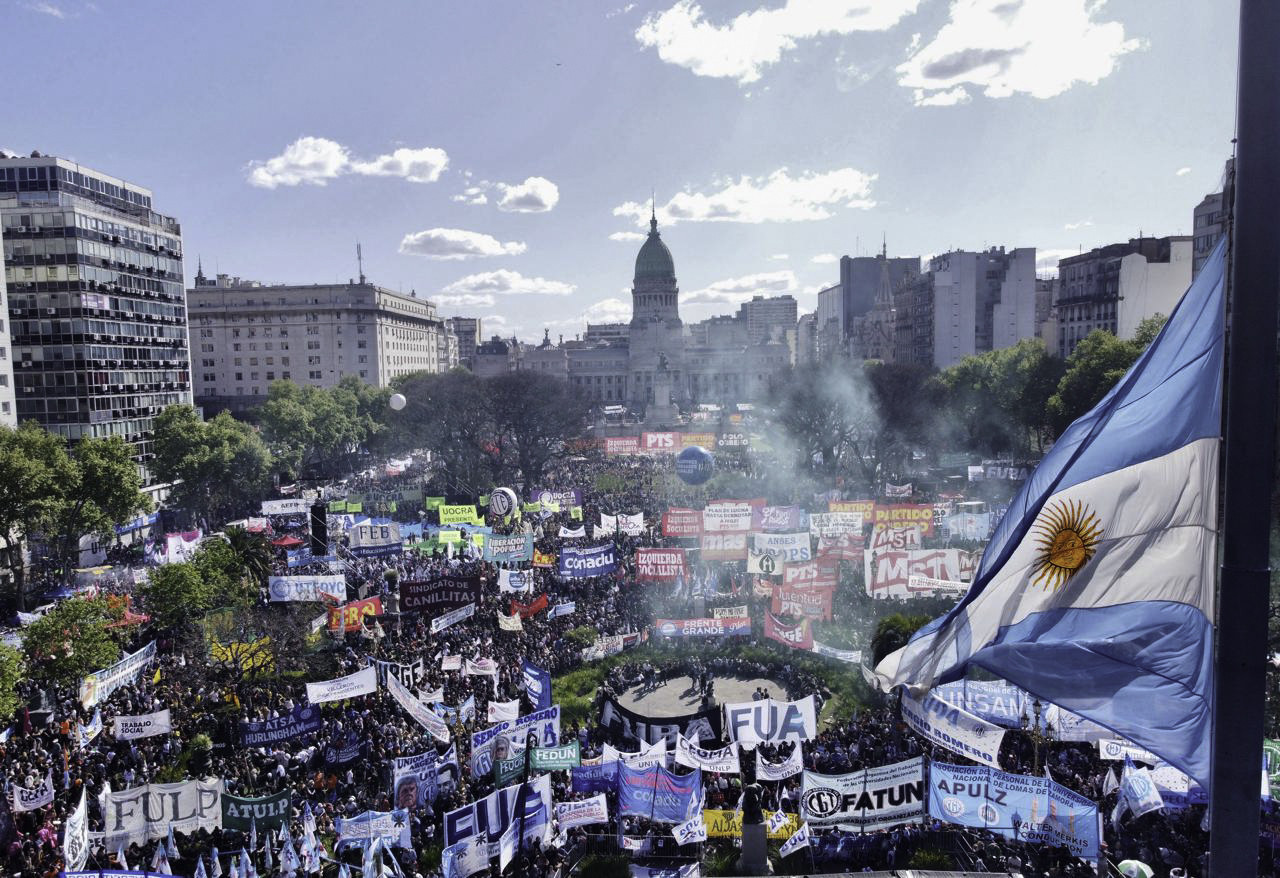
x,y
254,657
728,824
464,514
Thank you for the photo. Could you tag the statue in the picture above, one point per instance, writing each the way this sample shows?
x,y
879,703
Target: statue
x,y
751,811
662,361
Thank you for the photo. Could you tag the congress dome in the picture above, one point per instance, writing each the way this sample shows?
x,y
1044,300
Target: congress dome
x,y
654,259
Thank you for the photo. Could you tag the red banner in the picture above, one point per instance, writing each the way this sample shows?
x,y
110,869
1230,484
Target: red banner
x,y
896,537
544,559
354,613
660,564
615,446
841,547
797,636
724,547
529,610
660,443
682,523
815,603
810,574
865,508
901,514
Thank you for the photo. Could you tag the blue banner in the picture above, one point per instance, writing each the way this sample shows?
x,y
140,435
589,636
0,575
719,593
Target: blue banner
x,y
583,563
601,778
537,682
299,721
658,794
509,549
1028,809
995,701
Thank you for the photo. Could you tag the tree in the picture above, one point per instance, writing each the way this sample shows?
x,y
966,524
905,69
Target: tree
x,y
892,633
12,672
1094,367
313,431
220,467
533,415
251,554
827,417
449,415
32,463
70,641
996,400
176,594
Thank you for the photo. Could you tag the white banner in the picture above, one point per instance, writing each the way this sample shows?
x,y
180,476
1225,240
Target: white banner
x,y
452,662
307,588
453,617
422,715
726,517
483,667
799,839
739,612
1117,749
100,684
28,800
75,840
127,728
141,814
577,533
655,754
509,623
852,656
583,812
875,798
754,722
293,506
691,831
789,767
504,710
360,683
787,548
631,525
950,727
831,524
515,580
608,525
723,761
367,538
764,563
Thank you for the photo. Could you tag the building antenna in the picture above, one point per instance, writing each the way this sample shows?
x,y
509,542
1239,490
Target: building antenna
x,y
360,263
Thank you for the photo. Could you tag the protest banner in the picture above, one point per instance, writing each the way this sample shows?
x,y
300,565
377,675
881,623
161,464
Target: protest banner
x,y
584,563
362,682
99,685
810,574
952,728
145,813
787,548
302,720
619,446
29,799
531,609
267,812
728,824
450,618
464,513
755,722
391,827
833,524
556,498
888,573
742,611
129,728
511,581
411,674
438,594
660,443
699,726
660,565
415,780
727,516
682,523
852,656
789,767
723,760
374,540
419,712
874,798
541,728
864,508
500,548
777,519
898,514
351,616
584,812
560,758
814,603
796,636
312,589
657,794
721,627
288,506
75,838
599,778
724,546
545,560
489,817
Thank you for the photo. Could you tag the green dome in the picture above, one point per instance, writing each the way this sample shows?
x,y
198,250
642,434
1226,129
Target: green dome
x,y
654,259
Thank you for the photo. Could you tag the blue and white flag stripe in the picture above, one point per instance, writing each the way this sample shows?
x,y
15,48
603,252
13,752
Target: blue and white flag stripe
x,y
1096,592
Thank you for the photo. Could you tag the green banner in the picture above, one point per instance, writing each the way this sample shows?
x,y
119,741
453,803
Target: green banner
x,y
531,507
355,507
576,513
556,758
267,812
1271,758
433,502
462,514
338,506
507,770
484,500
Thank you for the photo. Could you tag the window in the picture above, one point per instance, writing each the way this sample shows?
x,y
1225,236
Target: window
x,y
271,376
286,375
237,361
236,346
206,348
253,376
270,360
313,345
313,361
314,375
253,361
240,376
284,361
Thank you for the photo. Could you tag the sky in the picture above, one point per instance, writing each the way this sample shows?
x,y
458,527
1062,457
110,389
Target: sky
x,y
499,158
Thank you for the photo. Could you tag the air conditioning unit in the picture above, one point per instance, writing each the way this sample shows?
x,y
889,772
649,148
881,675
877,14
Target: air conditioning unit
x,y
20,228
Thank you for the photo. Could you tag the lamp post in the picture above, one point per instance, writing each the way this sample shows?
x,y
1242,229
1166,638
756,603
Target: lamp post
x,y
1040,732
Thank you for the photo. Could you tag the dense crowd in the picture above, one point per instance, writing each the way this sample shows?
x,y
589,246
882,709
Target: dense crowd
x,y
344,769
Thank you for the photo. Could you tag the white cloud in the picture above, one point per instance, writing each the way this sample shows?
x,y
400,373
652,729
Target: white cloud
x,y
780,257
465,300
620,11
825,258
471,195
1182,172
1007,47
1047,258
423,165
1083,224
626,236
736,290
751,41
534,195
609,310
779,198
506,281
317,160
458,244
48,9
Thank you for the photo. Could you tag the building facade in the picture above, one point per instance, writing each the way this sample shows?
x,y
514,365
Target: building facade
x,y
468,332
96,311
8,408
1089,286
1208,220
245,335
768,318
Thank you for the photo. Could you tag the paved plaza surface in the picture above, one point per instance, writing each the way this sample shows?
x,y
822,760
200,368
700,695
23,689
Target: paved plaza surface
x,y
676,696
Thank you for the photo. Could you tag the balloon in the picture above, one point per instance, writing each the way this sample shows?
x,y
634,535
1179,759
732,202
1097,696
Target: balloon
x,y
397,401
502,502
695,465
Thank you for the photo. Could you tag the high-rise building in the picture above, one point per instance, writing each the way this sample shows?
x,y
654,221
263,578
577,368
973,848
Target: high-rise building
x,y
1089,290
767,318
1208,220
841,328
97,318
467,329
245,335
8,411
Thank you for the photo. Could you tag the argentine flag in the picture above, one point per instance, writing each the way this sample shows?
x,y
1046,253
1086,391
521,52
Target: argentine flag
x,y
1096,592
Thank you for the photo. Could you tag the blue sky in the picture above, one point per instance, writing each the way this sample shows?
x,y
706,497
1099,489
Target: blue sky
x,y
484,153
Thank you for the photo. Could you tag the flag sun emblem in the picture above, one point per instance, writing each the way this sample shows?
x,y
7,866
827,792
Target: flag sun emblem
x,y
1068,534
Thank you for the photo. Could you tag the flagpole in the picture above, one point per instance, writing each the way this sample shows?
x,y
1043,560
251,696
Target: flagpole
x,y
1249,449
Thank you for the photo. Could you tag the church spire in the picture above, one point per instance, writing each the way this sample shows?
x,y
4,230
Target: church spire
x,y
653,213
